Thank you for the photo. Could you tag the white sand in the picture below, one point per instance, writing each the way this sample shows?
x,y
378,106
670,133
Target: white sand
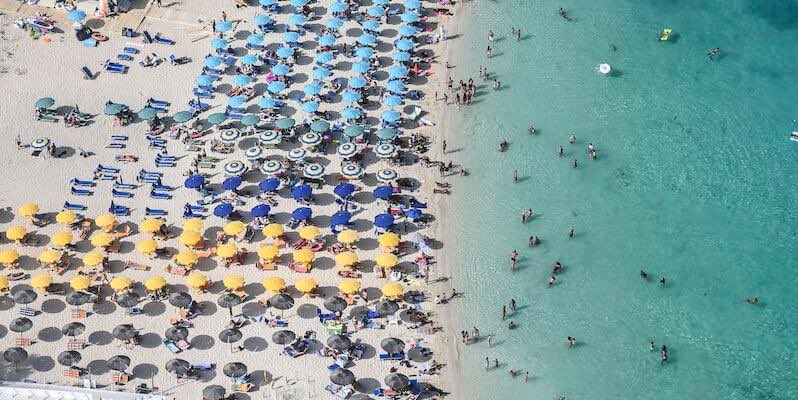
x,y
33,69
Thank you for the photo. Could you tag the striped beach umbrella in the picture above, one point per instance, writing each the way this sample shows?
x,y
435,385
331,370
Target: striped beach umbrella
x,y
229,135
313,171
346,150
352,171
271,167
40,143
387,176
271,138
351,113
297,154
234,167
310,139
385,150
253,153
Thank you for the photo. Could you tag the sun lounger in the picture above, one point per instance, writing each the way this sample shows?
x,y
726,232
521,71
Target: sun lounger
x,y
120,212
154,102
202,94
204,365
324,317
159,108
165,164
119,137
162,40
87,74
74,206
121,185
207,88
339,391
116,70
147,37
78,182
124,57
163,187
115,145
130,50
81,192
196,208
160,196
27,312
103,168
392,357
123,194
151,212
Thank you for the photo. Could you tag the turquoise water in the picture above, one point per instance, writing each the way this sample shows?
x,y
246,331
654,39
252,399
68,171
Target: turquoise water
x,y
695,181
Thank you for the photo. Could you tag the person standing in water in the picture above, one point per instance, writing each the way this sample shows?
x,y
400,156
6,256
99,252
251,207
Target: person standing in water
x,y
571,232
491,36
561,151
515,176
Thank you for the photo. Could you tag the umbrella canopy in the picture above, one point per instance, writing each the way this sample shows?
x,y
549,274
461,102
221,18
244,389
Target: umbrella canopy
x,y
274,284
352,171
335,304
16,232
310,139
113,109
306,284
234,282
291,36
326,40
41,281
77,298
347,236
386,307
383,220
310,106
338,7
301,192
395,86
387,175
250,120
349,286
297,19
392,290
46,102
147,113
255,39
273,230
385,150
280,70
24,296
371,25
392,345
304,255
270,138
192,238
397,71
242,80
309,232
376,11
205,80
20,325
350,96
234,167
357,82
125,332
364,52
217,118
346,258
178,366
350,113
397,381
408,30
194,181
213,392
40,144
284,52
182,116
118,363
151,225
230,335
69,358
232,183
234,370
297,154
128,299
382,192
15,354
228,300
223,26
102,239
261,20
222,210
226,250
281,301
121,283
342,376
236,101
409,17
321,73
344,189
234,228
389,240
61,239
269,185
283,337
212,62
66,217
361,67
312,89
49,256
284,123
387,133
401,56
324,57
340,218
313,171
155,283
339,342
80,283
404,44
276,87
260,210
180,299
176,333
335,23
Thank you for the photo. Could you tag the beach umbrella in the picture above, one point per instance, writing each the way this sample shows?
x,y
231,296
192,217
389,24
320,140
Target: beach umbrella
x,y
124,332
15,355
298,3
77,299
392,101
69,358
24,296
280,70
386,307
273,284
234,167
271,167
268,252
28,209
335,23
324,57
226,250
364,52
16,233
312,89
3,282
361,67
346,258
284,123
413,213
297,154
236,101
321,73
192,238
113,108
217,118
327,40
102,239
233,282
335,304
395,86
357,82
351,171
194,181
354,131
283,337
40,144
383,220
338,7
303,255
151,225
232,183
273,230
340,218
147,246
155,283
347,236
41,281
302,213
397,381
178,366
349,286
297,19
180,300
61,239
176,333
388,240
397,71
214,392
313,171
339,342
242,80
409,17
387,260
309,232
205,80
385,150
387,133
276,87
266,102
392,345
371,25
196,280
105,221
310,106
387,175
412,4
249,59
260,210
404,44
301,192
128,299
342,377
75,15
284,52
212,62
20,325
261,20
147,113
228,301
401,56
234,370
382,192
73,329
270,138
350,96
392,289
255,39
381,2
391,115
320,126
49,256
291,36
281,301
367,39
66,217
376,11
45,102
9,257
269,185
182,116
193,224
310,139
223,26
407,30
250,120
347,150
306,284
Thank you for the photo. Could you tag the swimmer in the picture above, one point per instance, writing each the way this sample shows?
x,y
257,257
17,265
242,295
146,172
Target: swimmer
x,y
561,151
662,281
571,232
557,268
552,279
491,36
712,53
572,139
752,300
651,346
644,275
571,341
531,130
511,325
575,163
502,145
663,354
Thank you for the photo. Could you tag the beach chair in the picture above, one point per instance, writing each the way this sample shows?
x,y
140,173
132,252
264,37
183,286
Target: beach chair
x,y
81,183
120,193
115,145
130,50
76,344
339,391
160,196
120,378
153,212
81,192
207,88
162,40
120,211
87,74
71,373
78,314
154,102
27,312
24,342
121,185
147,37
392,357
124,57
103,168
74,206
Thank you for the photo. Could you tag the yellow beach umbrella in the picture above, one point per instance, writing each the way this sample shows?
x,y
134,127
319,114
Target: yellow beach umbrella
x,y
273,230
155,283
62,238
41,281
226,250
101,239
274,284
347,236
346,258
309,232
49,256
392,289
105,221
66,217
16,233
121,283
268,252
193,224
233,282
186,258
306,284
80,283
9,256
93,258
349,286
196,280
151,225
304,255
147,246
387,260
28,209
190,238
234,228
389,240
3,282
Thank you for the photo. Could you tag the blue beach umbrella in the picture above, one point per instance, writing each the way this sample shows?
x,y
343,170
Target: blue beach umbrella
x,y
321,73
335,23
364,52
223,210
194,181
367,39
260,210
324,57
382,192
297,154
395,86
381,2
344,190
219,43
280,70
249,59
254,153
297,19
76,15
250,120
397,71
267,3
310,106
404,44
371,25
350,96
301,213
320,126
338,7
409,17
298,3
392,101
205,80
212,62
346,150
266,102
312,90
412,4
340,218
232,183
276,87
387,133
361,67
261,20
351,113
224,26
284,52
351,171
354,131
327,40
376,11
414,213
407,30
242,80
357,82
383,220
236,101
255,39
401,56
301,192
291,36
269,185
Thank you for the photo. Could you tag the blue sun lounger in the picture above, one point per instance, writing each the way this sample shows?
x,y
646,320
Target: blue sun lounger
x,y
144,172
124,57
130,50
147,37
123,194
81,183
149,179
211,71
119,211
392,357
81,192
165,164
161,103
87,74
202,94
103,168
107,177
154,212
124,186
115,145
119,137
164,188
162,40
160,196
74,206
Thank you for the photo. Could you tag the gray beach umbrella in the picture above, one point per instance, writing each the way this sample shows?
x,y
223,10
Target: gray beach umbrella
x,y
419,354
118,363
77,299
228,300
335,304
15,354
73,329
397,381
128,300
178,366
24,296
124,332
234,370
281,301
213,392
410,315
176,333
180,299
412,296
339,342
392,345
342,377
358,312
69,358
20,325
387,307
283,337
230,335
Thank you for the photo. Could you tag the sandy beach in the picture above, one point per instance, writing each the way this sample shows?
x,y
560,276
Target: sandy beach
x,y
35,69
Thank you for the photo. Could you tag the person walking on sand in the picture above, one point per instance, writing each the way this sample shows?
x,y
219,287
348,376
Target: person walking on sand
x,y
443,147
224,16
19,142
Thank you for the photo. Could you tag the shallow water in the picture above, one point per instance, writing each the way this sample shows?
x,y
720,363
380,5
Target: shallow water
x,y
695,181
